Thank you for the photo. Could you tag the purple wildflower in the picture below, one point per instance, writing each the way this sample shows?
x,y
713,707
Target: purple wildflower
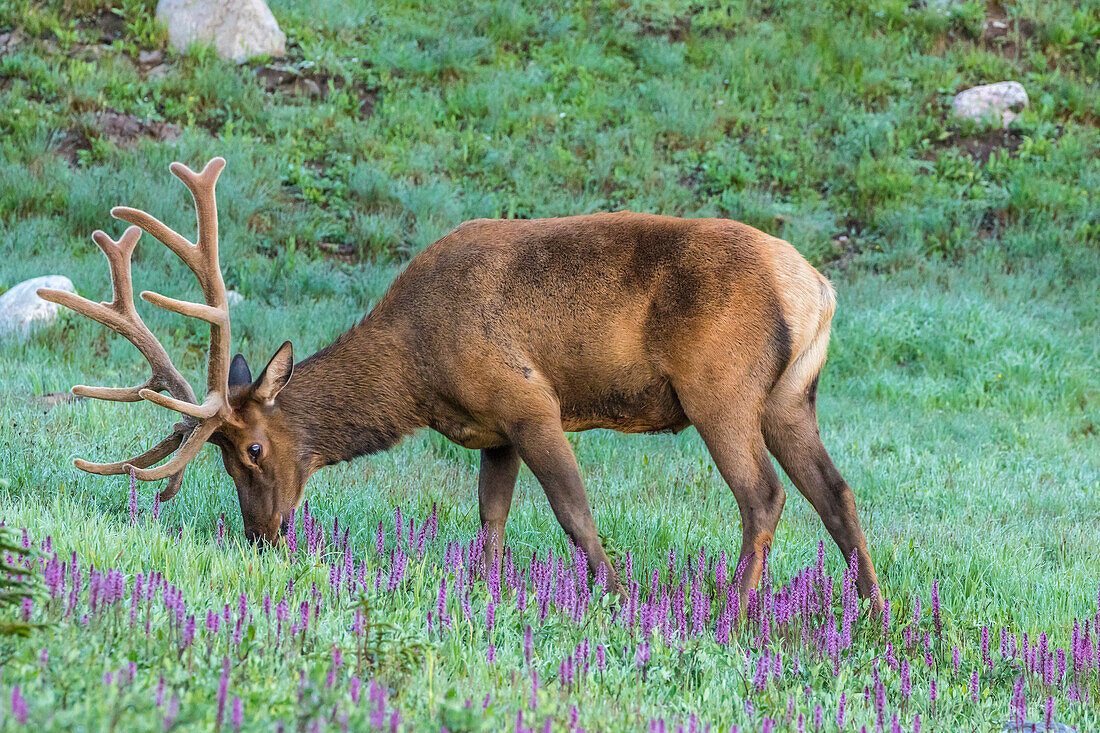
x,y
641,655
18,706
292,533
223,688
906,682
441,604
133,496
937,620
173,711
1019,702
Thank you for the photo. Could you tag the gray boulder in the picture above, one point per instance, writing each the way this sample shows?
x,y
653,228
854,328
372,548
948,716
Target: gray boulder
x,y
998,103
237,28
21,308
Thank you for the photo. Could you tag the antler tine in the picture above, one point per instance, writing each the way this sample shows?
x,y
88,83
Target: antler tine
x,y
175,481
202,259
148,458
120,315
190,448
201,186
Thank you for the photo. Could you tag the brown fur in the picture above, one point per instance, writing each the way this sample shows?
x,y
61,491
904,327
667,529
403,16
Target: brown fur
x,y
504,334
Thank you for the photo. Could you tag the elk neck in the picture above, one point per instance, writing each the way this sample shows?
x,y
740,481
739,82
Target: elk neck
x,y
354,397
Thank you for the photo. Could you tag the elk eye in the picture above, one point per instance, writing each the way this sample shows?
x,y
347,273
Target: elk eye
x,y
254,451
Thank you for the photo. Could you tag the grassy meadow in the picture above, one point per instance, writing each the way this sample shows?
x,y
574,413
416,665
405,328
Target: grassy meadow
x,y
961,399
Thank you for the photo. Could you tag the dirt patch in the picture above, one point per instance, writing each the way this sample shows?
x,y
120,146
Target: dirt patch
x,y
992,221
314,85
675,29
122,129
979,147
1003,35
108,26
339,251
998,34
845,244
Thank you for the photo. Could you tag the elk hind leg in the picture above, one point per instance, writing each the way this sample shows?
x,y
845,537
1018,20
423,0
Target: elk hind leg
x,y
737,447
792,435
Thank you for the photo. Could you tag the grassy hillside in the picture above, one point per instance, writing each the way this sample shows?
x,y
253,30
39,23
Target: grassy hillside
x,y
961,398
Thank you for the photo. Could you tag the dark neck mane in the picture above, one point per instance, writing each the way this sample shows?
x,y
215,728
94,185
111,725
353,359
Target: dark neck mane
x,y
348,399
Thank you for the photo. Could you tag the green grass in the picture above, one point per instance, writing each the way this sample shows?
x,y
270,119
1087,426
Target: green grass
x,y
961,398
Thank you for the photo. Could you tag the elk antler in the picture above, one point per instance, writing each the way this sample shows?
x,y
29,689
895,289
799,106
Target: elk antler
x,y
200,420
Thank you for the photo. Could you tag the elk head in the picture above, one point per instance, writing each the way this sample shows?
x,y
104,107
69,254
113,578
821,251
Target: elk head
x,y
238,415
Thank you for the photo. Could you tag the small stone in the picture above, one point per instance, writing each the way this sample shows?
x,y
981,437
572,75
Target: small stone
x,y
238,30
150,58
233,297
21,308
157,72
273,77
999,102
308,88
11,39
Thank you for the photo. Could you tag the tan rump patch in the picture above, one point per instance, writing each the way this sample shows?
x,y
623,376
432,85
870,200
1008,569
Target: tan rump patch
x,y
808,302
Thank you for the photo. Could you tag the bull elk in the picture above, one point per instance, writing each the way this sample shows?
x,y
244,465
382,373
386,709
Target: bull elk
x,y
502,336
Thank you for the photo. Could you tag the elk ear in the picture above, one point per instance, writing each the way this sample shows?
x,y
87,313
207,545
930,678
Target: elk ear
x,y
239,373
275,375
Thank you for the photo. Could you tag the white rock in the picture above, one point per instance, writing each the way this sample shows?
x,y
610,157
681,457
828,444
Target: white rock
x,y
233,297
237,28
21,308
1000,102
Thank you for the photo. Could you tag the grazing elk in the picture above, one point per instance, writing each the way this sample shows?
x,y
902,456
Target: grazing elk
x,y
503,335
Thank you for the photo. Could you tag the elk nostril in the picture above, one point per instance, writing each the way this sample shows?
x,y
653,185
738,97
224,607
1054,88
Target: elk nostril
x,y
253,537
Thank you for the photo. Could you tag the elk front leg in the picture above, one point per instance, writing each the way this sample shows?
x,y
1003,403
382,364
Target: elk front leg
x,y
545,450
495,484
